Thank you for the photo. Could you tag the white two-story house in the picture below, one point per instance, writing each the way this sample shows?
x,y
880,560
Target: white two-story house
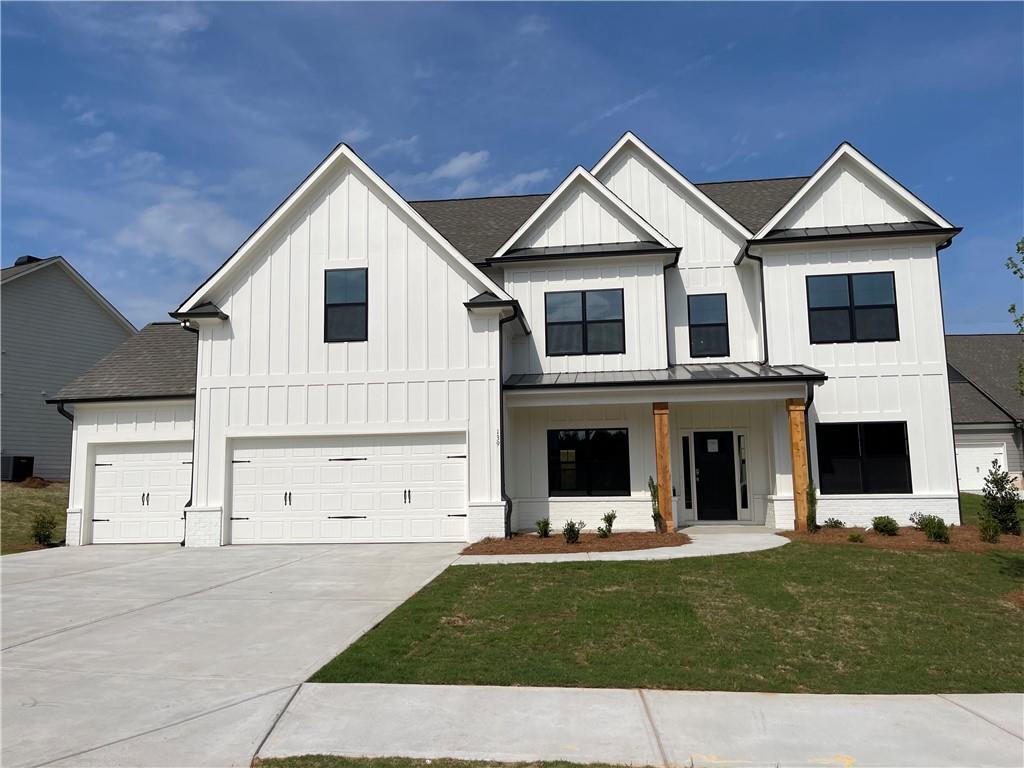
x,y
365,368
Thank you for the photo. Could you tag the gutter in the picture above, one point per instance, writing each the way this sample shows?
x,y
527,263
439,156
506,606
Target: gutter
x,y
64,412
764,300
195,414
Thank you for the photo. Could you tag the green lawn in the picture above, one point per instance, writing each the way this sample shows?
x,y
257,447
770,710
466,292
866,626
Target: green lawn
x,y
970,507
18,505
330,761
805,617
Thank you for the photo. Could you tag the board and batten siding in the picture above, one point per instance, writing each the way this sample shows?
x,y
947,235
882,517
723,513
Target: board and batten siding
x,y
643,297
53,332
709,247
902,380
429,365
581,218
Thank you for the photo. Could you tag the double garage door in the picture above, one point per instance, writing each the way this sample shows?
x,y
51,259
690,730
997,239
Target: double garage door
x,y
349,489
139,492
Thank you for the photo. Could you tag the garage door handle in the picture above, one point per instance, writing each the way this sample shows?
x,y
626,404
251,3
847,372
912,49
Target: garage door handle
x,y
346,517
462,515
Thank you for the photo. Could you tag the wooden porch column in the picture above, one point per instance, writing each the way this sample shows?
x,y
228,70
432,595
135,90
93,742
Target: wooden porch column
x,y
662,453
797,410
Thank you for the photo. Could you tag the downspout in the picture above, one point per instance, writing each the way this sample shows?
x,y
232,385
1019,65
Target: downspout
x,y
195,413
952,435
764,303
664,282
64,412
501,418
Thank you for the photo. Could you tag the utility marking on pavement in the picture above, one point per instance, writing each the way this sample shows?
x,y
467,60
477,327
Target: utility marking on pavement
x,y
654,728
273,725
980,716
130,611
159,728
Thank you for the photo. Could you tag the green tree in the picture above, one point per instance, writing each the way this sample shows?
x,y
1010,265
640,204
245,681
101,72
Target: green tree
x,y
1016,265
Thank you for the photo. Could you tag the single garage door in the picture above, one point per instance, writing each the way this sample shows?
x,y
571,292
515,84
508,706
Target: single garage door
x,y
140,491
349,489
973,463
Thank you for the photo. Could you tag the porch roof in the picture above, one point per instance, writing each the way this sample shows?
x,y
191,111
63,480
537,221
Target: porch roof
x,y
683,374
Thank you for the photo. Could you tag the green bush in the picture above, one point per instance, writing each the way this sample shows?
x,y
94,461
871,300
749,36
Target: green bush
x,y
543,527
812,509
572,530
935,528
988,527
884,525
856,538
1001,500
603,532
43,526
833,522
659,521
609,519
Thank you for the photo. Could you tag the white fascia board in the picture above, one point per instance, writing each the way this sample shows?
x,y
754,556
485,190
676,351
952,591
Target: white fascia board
x,y
847,150
580,173
339,153
630,139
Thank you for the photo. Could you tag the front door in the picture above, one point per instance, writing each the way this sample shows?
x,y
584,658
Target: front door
x,y
715,467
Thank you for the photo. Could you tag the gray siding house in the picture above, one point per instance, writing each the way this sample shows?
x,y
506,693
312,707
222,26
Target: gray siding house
x,y
988,411
55,326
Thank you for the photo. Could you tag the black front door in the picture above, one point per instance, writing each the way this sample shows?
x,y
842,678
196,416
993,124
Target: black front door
x,y
716,475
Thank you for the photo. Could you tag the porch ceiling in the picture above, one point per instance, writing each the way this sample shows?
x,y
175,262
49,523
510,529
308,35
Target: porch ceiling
x,y
687,374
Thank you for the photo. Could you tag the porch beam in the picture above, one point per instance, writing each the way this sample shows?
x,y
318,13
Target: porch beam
x,y
663,462
797,411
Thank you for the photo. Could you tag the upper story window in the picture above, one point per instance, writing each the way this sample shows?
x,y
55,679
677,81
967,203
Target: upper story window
x,y
709,325
345,305
858,307
584,322
866,457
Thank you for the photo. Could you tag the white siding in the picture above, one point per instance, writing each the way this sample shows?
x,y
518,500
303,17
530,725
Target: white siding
x,y
993,434
581,218
429,364
53,332
848,195
709,246
902,380
643,293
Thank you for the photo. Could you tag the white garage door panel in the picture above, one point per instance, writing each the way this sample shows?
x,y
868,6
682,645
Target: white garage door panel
x,y
139,492
973,463
371,489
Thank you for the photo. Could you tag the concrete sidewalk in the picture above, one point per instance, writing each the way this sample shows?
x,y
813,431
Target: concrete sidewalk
x,y
657,728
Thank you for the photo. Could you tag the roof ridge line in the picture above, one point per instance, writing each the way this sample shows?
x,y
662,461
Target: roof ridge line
x,y
478,197
747,181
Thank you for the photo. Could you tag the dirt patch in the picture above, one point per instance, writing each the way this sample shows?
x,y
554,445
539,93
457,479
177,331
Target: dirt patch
x,y
1015,598
34,482
962,538
532,544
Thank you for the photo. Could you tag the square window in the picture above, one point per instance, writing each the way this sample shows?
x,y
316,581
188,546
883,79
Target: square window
x,y
585,322
588,462
853,307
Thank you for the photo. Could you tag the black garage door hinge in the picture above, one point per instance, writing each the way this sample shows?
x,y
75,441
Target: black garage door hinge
x,y
462,515
346,458
103,465
241,461
101,519
346,517
457,456
239,518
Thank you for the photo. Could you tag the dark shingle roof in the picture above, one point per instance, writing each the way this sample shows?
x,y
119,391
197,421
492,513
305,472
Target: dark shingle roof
x,y
478,226
13,271
752,203
158,361
987,368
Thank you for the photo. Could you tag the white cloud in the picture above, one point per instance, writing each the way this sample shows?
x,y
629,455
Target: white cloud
x,y
615,109
142,27
410,147
521,182
90,117
356,134
466,187
98,145
462,165
533,25
183,227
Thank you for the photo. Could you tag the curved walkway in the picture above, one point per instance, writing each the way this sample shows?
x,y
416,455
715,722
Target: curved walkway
x,y
704,544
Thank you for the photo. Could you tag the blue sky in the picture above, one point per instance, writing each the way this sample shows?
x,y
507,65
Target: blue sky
x,y
144,142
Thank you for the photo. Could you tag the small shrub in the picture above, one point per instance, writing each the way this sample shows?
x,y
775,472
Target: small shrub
x,y
935,528
1001,500
543,527
603,532
572,530
609,519
812,509
988,527
856,538
833,522
44,525
884,525
659,521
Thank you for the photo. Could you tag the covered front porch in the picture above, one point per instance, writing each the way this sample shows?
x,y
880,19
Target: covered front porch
x,y
725,444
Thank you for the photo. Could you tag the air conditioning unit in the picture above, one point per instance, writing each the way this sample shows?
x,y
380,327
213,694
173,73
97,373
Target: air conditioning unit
x,y
14,469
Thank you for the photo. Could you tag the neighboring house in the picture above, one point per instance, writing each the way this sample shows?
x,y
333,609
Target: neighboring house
x,y
370,369
988,411
55,327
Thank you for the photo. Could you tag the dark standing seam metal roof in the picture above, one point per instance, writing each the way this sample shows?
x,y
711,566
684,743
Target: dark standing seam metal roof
x,y
683,374
158,361
984,391
853,230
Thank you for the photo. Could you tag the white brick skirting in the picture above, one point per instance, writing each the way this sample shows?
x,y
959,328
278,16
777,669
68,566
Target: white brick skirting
x,y
73,535
203,526
630,514
485,521
781,513
858,511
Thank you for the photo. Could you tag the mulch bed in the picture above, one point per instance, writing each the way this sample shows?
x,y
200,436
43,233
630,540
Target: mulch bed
x,y
532,544
962,538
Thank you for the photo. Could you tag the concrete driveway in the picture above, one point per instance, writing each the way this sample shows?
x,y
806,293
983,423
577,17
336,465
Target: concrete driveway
x,y
154,655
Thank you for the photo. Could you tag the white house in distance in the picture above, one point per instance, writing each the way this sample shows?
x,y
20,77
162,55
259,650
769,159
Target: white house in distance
x,y
370,369
56,326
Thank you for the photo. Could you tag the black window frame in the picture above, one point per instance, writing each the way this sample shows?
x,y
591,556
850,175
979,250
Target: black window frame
x,y
866,484
852,308
365,304
583,464
691,325
583,322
